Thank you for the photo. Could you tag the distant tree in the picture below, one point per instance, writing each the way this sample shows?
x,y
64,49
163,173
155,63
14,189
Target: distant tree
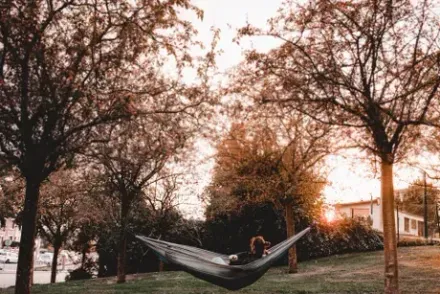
x,y
84,238
253,167
70,66
11,197
369,67
60,211
411,200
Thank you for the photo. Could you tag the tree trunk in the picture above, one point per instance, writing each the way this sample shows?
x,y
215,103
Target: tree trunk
x,y
389,228
83,258
122,244
161,266
26,253
56,250
290,228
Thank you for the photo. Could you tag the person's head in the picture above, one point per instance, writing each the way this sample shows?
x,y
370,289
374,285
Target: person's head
x,y
258,245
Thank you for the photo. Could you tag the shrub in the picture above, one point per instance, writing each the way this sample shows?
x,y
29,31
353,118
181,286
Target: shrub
x,y
229,234
78,274
343,236
83,273
404,242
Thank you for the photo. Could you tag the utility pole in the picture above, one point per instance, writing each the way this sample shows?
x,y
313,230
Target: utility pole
x,y
425,206
437,208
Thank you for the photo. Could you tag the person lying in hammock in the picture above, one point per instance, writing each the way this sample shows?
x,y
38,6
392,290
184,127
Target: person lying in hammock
x,y
258,248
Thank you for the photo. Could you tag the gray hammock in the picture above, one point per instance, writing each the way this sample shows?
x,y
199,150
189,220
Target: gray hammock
x,y
201,263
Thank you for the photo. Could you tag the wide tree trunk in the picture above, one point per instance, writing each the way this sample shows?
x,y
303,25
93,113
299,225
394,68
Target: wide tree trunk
x,y
389,228
122,244
290,228
25,256
56,251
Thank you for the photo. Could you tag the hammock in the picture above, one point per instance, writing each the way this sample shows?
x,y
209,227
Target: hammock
x,y
201,263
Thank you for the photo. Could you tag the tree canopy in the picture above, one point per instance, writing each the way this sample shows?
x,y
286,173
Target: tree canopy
x,y
253,167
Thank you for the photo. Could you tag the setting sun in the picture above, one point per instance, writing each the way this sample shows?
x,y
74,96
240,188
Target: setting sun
x,y
329,215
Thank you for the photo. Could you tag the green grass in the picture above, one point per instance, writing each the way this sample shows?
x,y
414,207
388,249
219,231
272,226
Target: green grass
x,y
349,273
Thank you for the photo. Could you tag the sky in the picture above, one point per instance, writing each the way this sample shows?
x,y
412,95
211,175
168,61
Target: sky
x,y
228,16
350,179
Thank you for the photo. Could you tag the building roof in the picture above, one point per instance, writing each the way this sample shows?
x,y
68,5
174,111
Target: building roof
x,y
375,201
410,214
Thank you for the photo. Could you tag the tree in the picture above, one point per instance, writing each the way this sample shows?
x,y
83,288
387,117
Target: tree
x,y
60,212
252,167
133,160
11,197
411,200
369,67
83,239
154,215
70,66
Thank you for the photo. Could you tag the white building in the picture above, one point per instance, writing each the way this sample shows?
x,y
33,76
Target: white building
x,y
10,232
371,211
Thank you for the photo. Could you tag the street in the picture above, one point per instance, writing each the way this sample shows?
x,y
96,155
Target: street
x,y
7,276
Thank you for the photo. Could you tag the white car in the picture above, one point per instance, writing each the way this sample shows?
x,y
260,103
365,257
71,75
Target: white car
x,y
8,257
46,258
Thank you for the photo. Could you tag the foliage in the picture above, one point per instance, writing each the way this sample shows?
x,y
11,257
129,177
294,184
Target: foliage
x,y
411,200
78,274
342,72
11,196
84,238
85,272
405,242
251,168
62,208
344,236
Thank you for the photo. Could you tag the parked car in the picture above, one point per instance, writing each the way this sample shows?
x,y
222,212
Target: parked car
x,y
8,257
46,258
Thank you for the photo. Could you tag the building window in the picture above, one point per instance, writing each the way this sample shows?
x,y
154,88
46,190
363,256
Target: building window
x,y
413,224
406,222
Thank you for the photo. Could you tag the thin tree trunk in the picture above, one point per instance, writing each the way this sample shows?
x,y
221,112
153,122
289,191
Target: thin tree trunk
x,y
83,258
121,258
26,253
161,266
290,228
56,250
389,228
122,244
32,262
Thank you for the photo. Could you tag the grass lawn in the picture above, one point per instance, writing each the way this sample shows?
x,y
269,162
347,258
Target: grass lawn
x,y
349,273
